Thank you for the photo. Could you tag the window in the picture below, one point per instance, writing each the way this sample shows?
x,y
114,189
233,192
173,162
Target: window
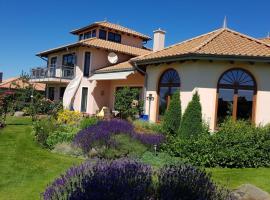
x,y
102,34
88,35
114,37
168,84
69,60
87,63
51,93
236,90
80,37
62,91
84,99
52,68
94,33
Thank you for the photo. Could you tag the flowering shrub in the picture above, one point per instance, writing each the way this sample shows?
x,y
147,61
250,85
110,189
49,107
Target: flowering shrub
x,y
103,131
120,179
128,179
188,183
68,117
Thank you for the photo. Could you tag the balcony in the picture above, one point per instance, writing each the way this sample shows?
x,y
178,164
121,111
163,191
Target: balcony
x,y
53,74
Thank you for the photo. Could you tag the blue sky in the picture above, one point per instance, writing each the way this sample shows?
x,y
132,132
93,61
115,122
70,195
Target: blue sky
x,y
27,27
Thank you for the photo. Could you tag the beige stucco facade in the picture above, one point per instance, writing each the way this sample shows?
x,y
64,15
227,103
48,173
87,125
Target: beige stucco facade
x,y
202,76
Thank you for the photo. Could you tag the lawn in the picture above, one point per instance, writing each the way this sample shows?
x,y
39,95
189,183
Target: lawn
x,y
233,178
25,168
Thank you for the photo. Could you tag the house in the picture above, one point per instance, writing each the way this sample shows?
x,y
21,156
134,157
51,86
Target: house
x,y
15,83
97,63
229,70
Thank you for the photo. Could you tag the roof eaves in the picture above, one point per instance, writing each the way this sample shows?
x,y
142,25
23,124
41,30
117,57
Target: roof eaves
x,y
194,56
116,70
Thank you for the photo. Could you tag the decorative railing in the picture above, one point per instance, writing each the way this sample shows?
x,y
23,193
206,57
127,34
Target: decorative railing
x,y
63,72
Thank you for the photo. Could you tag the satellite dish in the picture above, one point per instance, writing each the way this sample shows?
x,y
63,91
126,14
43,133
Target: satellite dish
x,y
112,58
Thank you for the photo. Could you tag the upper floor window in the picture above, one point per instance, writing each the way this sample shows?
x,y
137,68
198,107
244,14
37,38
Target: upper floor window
x,y
102,34
94,33
88,34
114,37
69,60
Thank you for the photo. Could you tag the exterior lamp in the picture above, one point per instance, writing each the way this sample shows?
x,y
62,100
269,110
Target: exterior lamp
x,y
155,148
149,98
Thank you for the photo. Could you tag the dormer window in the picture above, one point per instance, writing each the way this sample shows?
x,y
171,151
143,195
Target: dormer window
x,y
114,37
102,34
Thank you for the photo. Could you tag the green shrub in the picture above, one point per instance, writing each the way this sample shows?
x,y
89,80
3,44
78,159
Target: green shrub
x,y
43,128
127,102
236,145
88,121
191,124
172,118
62,134
67,149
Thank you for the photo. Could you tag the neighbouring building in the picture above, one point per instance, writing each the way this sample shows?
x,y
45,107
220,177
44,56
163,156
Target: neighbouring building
x,y
16,83
229,70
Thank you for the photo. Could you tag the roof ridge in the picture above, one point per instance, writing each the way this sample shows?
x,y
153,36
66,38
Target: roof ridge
x,y
208,40
180,43
248,37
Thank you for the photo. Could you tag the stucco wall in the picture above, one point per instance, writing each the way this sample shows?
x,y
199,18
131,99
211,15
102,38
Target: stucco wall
x,y
203,77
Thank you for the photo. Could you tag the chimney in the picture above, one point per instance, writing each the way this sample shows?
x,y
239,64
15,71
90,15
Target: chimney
x,y
159,40
1,77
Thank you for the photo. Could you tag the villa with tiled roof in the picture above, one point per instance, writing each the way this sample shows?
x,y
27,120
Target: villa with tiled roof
x,y
228,69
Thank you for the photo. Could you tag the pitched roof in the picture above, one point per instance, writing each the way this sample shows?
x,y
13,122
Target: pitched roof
x,y
99,43
116,27
16,82
124,66
221,42
266,40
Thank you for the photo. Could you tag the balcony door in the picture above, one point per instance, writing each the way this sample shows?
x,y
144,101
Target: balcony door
x,y
52,68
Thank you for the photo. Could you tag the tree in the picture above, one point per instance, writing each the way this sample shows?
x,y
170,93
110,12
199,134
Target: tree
x,y
172,118
191,124
127,102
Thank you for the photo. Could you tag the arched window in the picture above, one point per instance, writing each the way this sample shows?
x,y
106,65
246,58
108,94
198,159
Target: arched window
x,y
236,91
169,82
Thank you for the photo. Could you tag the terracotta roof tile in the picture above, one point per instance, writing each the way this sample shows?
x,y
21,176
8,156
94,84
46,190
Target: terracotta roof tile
x,y
124,66
266,40
116,27
104,44
99,43
220,42
16,82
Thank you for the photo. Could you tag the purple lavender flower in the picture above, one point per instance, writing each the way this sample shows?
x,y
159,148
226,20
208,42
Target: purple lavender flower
x,y
103,131
119,179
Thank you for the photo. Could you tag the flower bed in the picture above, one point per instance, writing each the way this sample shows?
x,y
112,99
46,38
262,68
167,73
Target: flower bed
x,y
103,131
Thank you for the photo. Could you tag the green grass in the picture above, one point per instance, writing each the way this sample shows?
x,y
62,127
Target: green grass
x,y
26,168
233,178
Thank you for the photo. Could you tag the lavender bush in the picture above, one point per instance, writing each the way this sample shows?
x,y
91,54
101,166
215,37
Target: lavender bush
x,y
185,182
119,179
103,131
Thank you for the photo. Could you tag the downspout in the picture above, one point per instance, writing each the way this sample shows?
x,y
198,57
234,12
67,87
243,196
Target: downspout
x,y
145,84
